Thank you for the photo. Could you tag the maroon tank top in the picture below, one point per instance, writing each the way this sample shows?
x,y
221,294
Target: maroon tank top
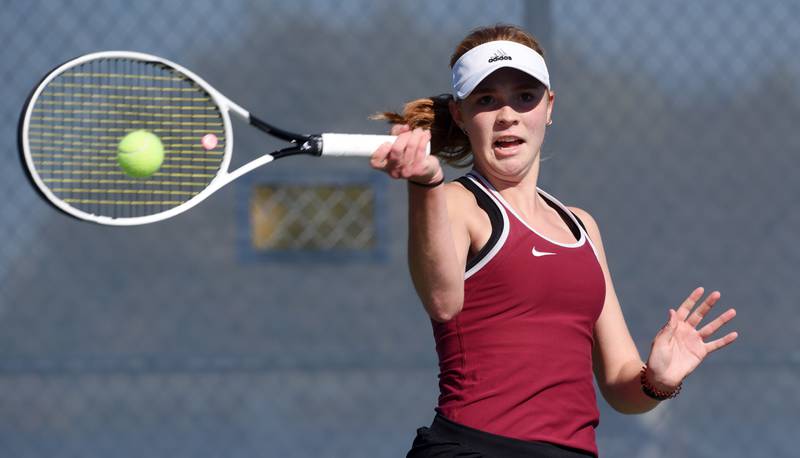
x,y
517,360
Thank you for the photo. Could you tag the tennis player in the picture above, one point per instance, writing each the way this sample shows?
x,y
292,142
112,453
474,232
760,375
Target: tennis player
x,y
516,283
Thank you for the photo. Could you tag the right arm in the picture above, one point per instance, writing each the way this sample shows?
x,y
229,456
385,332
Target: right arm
x,y
438,241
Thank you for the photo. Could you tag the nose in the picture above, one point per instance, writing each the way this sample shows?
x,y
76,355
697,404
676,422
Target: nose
x,y
507,116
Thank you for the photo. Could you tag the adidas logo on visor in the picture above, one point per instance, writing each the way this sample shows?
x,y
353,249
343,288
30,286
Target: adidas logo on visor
x,y
499,55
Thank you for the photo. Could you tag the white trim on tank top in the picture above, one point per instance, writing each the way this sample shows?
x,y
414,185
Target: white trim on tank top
x,y
501,203
500,241
496,193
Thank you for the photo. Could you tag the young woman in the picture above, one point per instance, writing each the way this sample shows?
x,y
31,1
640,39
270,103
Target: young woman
x,y
516,284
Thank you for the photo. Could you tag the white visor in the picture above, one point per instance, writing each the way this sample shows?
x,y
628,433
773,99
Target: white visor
x,y
480,61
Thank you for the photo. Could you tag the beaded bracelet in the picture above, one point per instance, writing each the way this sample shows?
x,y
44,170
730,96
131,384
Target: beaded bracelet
x,y
655,393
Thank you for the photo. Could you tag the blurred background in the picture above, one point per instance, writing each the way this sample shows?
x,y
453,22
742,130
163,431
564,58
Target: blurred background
x,y
207,335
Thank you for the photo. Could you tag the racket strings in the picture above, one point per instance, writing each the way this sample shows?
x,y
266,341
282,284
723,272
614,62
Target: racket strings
x,y
79,117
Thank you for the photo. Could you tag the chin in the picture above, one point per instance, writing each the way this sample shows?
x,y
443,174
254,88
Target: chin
x,y
508,169
508,161
523,156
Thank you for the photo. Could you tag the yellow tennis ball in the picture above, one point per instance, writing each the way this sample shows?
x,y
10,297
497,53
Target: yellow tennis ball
x,y
140,153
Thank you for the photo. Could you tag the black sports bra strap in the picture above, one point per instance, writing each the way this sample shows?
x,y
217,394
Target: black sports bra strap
x,y
579,221
494,214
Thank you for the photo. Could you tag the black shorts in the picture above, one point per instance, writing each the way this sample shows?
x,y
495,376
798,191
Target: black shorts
x,y
446,439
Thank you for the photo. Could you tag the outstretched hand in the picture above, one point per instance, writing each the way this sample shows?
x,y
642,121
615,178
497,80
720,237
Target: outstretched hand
x,y
679,347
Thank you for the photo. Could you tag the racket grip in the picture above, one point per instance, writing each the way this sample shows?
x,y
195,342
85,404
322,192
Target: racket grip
x,y
355,144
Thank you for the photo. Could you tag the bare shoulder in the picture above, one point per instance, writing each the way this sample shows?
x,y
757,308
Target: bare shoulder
x,y
459,197
464,211
456,190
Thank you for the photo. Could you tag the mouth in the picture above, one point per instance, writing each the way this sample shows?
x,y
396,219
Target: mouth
x,y
507,143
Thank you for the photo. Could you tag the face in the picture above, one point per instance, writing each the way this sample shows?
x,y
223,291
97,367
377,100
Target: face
x,y
505,119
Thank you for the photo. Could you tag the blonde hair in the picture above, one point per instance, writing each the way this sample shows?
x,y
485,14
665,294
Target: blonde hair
x,y
433,113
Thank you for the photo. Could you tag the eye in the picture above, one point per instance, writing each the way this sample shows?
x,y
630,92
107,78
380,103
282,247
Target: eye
x,y
527,97
484,100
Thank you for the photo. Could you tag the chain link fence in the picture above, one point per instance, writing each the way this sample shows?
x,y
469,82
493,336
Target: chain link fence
x,y
205,336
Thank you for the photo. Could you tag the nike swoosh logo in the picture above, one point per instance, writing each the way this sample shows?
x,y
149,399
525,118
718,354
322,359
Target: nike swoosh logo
x,y
539,253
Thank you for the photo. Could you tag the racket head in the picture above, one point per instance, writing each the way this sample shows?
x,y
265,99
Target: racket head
x,y
75,117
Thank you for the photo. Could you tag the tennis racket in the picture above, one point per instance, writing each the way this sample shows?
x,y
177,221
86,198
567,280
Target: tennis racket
x,y
74,120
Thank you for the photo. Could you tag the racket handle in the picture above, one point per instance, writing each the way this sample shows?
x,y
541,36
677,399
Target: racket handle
x,y
355,144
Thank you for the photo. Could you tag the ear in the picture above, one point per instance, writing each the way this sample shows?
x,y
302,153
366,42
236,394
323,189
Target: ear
x,y
551,99
455,113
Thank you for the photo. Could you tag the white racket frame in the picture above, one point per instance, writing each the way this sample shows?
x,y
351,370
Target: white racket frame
x,y
338,145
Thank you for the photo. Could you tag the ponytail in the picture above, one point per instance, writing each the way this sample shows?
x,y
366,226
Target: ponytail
x,y
448,142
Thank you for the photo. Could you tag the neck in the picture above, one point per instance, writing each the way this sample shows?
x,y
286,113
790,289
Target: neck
x,y
518,191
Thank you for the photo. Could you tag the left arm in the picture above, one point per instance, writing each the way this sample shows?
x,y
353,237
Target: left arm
x,y
677,349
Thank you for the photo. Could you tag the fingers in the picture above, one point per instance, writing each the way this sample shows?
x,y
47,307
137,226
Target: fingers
x,y
407,157
715,345
398,129
689,303
396,157
712,327
417,154
378,158
697,315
